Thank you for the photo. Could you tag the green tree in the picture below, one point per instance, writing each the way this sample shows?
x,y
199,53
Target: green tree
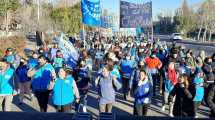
x,y
68,19
6,8
8,5
183,19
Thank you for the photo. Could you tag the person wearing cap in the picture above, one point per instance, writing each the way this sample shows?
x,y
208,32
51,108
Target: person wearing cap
x,y
9,57
65,91
153,64
199,90
174,56
43,77
24,82
6,85
82,77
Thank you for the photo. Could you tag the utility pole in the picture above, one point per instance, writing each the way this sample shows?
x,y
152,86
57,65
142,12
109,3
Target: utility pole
x,y
38,10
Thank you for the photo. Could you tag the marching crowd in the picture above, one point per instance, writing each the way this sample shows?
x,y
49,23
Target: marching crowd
x,y
140,69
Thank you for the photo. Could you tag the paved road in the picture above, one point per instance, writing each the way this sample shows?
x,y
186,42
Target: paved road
x,y
190,44
121,107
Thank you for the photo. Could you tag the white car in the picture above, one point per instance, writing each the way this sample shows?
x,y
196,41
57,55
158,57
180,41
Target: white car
x,y
176,36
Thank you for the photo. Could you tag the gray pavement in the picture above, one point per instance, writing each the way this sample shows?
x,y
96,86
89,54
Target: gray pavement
x,y
121,107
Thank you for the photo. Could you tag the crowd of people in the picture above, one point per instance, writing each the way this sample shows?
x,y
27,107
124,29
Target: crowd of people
x,y
137,68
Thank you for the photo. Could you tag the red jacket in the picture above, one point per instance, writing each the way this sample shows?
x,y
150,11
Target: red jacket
x,y
153,63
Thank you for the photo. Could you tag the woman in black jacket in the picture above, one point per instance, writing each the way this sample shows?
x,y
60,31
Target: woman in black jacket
x,y
183,105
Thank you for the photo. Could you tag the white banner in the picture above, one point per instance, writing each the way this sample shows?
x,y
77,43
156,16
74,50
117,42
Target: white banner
x,y
70,54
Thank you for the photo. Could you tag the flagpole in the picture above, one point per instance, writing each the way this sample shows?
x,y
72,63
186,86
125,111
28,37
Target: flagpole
x,y
152,24
100,19
83,29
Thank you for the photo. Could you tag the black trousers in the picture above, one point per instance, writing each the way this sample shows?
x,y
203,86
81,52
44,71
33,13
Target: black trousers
x,y
43,99
64,108
155,82
125,86
141,109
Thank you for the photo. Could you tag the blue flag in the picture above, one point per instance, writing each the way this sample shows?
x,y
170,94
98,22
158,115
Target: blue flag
x,y
91,12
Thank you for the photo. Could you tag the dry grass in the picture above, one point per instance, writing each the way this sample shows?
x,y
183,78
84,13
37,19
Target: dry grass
x,y
17,42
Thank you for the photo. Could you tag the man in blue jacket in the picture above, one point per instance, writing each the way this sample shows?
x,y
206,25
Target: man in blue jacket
x,y
6,85
43,77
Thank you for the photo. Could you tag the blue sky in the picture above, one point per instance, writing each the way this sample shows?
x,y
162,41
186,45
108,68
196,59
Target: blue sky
x,y
159,6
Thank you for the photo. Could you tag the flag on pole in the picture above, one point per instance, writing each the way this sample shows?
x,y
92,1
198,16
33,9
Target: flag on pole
x,y
70,54
91,12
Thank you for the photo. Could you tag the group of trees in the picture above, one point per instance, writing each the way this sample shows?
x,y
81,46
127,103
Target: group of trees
x,y
193,21
41,15
197,21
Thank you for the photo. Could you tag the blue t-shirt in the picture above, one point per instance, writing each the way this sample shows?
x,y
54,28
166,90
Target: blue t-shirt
x,y
10,58
42,77
63,91
127,67
21,73
58,62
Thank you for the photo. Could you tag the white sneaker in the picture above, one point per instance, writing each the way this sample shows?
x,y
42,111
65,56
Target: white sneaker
x,y
163,108
84,109
196,116
171,115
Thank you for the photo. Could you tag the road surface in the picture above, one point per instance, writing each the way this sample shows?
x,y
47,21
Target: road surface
x,y
190,44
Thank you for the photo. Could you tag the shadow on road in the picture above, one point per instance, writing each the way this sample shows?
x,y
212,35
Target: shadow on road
x,y
24,107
